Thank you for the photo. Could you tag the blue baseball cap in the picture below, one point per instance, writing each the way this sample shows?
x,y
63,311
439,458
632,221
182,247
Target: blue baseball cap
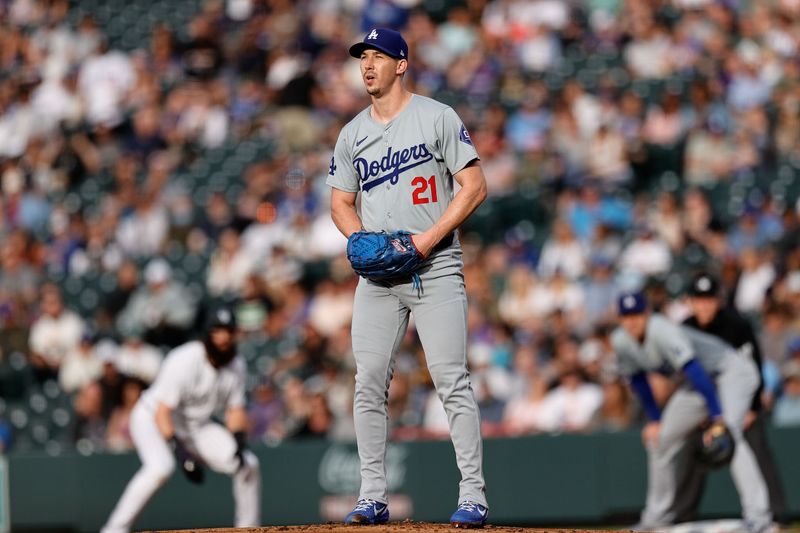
x,y
387,41
631,303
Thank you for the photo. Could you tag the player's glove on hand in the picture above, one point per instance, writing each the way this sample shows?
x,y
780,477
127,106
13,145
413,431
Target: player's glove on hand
x,y
380,255
189,464
717,445
241,446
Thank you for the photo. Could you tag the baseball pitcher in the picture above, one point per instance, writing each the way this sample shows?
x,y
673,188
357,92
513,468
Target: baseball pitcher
x,y
401,155
171,423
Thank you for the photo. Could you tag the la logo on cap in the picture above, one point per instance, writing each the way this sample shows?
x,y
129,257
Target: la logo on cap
x,y
373,34
704,284
630,301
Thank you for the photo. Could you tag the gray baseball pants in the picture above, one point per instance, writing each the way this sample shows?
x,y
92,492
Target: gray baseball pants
x,y
685,410
380,319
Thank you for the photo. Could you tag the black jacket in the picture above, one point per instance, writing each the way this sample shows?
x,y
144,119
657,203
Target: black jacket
x,y
734,329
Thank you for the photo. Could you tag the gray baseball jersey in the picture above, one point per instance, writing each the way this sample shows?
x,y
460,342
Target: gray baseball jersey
x,y
403,169
667,348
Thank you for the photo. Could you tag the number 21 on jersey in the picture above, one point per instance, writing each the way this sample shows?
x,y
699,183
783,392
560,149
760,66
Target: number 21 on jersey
x,y
424,190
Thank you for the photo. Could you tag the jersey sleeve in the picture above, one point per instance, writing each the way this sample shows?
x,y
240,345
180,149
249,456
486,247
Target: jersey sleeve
x,y
237,395
456,145
342,173
626,360
672,343
168,386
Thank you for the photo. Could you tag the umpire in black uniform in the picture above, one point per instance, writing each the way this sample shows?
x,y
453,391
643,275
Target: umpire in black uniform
x,y
710,316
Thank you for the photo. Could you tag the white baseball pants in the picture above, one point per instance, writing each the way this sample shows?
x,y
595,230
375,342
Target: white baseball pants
x,y
216,448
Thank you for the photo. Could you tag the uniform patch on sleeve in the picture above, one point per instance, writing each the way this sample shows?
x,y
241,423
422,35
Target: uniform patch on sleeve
x,y
332,168
463,136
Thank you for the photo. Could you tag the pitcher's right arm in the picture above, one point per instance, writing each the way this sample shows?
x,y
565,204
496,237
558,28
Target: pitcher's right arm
x,y
343,211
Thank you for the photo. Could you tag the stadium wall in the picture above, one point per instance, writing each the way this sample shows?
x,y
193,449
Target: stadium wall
x,y
539,480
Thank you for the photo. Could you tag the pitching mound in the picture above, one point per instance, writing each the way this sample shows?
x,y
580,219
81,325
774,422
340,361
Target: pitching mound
x,y
394,527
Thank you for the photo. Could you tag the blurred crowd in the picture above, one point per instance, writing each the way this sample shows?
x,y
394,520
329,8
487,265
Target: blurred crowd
x,y
624,117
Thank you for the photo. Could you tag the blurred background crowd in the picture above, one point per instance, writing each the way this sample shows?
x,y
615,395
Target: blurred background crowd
x,y
161,156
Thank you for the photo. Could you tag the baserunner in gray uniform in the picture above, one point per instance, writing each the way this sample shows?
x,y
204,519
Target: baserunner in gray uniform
x,y
717,383
401,156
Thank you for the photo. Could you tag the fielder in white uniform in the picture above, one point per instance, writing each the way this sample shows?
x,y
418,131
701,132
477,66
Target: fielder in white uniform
x,y
401,155
172,420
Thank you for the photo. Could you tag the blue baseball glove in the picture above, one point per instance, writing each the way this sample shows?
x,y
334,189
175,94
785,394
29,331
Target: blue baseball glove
x,y
381,256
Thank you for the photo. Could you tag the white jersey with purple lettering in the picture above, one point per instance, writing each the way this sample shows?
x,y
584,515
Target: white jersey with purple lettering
x,y
194,390
403,169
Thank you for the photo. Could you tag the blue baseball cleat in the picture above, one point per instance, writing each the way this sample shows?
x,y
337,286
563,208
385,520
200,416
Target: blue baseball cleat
x,y
367,513
469,514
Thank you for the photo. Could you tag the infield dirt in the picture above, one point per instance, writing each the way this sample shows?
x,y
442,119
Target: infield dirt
x,y
393,527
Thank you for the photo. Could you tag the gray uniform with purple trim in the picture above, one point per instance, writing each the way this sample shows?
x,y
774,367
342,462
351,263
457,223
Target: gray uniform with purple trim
x,y
403,171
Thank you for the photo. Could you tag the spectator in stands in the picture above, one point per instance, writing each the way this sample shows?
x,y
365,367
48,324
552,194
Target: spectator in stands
x,y
81,365
527,128
709,155
54,334
118,434
787,407
667,221
646,255
320,418
572,405
787,128
162,311
599,290
253,307
137,359
564,296
110,379
230,266
331,307
591,209
297,409
143,233
518,303
523,414
607,159
775,334
127,283
750,231
6,438
19,280
793,349
749,86
648,53
618,411
89,431
97,252
562,252
105,78
757,274
265,409
792,288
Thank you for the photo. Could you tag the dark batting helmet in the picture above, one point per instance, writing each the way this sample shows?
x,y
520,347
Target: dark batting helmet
x,y
220,318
